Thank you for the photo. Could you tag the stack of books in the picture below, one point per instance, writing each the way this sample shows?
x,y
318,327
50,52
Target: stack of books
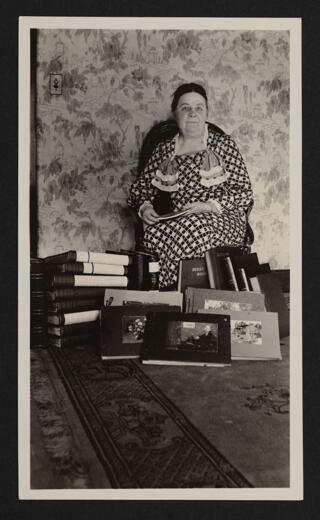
x,y
38,326
76,282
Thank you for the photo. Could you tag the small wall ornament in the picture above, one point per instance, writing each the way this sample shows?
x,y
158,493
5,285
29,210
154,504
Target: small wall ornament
x,y
56,84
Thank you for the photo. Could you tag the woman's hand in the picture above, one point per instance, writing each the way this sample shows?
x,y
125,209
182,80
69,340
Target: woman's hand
x,y
202,207
149,216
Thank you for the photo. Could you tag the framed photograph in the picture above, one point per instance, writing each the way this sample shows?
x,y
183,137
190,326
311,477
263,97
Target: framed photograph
x,y
123,327
254,335
189,339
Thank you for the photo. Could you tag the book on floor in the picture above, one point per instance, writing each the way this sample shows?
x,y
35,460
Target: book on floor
x,y
122,329
270,286
198,298
75,293
253,270
89,256
254,334
37,304
82,280
240,263
72,341
73,317
220,270
186,339
75,329
143,273
126,297
192,273
75,305
87,268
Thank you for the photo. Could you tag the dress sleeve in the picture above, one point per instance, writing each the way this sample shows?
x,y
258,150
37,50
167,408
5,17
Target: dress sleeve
x,y
236,191
142,190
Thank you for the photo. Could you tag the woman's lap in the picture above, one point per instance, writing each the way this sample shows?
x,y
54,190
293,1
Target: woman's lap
x,y
191,236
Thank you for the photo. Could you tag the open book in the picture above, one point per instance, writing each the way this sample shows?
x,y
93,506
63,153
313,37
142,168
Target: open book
x,y
174,214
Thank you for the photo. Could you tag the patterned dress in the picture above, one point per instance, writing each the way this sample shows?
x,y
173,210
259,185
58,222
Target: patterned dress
x,y
216,175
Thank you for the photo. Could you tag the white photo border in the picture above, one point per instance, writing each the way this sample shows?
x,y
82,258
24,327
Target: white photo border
x,y
293,25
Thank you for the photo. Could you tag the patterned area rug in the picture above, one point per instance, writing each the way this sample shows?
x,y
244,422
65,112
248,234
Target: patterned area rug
x,y
141,438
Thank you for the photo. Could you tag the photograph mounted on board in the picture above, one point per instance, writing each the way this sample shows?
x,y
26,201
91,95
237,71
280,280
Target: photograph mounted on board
x,y
186,339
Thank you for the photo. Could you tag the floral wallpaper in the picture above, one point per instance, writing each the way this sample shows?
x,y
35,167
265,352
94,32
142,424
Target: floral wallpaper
x,y
116,85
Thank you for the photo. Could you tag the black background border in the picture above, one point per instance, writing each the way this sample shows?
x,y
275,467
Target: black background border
x,y
11,507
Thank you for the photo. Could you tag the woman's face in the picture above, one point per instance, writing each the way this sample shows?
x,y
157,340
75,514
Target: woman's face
x,y
191,114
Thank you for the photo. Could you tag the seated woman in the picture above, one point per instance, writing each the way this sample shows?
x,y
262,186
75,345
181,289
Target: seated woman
x,y
199,169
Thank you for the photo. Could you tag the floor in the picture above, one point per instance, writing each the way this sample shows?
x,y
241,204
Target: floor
x,y
242,410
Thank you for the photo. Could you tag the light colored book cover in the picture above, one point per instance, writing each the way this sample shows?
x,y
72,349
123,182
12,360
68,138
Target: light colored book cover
x,y
254,335
126,297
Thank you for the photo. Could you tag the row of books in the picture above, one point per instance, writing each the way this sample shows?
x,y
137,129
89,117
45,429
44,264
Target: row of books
x,y
72,286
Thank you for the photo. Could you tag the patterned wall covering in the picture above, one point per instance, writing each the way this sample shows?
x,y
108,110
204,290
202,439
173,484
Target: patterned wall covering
x,y
116,85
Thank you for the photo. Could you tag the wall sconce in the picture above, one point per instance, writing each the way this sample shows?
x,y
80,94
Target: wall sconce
x,y
56,84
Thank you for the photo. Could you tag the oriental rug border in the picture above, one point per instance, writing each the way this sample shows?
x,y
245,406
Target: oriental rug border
x,y
141,437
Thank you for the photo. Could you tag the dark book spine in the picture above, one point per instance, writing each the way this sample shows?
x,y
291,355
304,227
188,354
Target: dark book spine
x,y
76,293
62,258
37,304
72,341
75,329
58,280
71,268
253,270
143,274
231,281
55,319
75,305
153,271
242,279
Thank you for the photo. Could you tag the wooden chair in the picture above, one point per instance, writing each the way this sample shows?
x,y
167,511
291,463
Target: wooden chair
x,y
160,132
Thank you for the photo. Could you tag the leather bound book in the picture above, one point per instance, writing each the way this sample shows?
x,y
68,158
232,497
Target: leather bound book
x,y
75,305
88,256
72,341
73,317
217,268
78,280
253,270
192,273
240,263
37,304
76,329
76,293
87,268
143,273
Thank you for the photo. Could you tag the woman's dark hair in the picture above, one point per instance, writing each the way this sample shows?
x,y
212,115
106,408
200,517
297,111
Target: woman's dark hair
x,y
185,89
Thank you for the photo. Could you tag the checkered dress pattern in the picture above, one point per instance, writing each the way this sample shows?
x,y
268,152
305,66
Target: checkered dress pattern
x,y
192,235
